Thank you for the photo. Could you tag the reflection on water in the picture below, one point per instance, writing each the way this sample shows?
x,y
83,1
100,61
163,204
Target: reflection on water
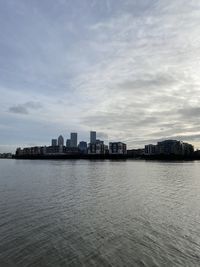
x,y
99,213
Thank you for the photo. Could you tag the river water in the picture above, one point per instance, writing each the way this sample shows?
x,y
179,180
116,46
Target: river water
x,y
99,213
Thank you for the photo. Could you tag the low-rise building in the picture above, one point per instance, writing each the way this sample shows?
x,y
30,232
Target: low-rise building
x,y
53,149
135,152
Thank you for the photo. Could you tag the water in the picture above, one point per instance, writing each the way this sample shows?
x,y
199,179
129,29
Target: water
x,y
99,213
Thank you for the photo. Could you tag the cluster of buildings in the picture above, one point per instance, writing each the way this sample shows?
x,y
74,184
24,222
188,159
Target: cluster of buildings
x,y
97,147
5,155
169,147
72,147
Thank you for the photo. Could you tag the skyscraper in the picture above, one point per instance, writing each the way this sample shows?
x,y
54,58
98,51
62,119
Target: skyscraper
x,y
92,137
83,147
60,141
73,141
54,142
68,142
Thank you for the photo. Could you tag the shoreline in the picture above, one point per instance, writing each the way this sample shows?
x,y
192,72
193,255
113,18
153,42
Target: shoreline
x,y
107,157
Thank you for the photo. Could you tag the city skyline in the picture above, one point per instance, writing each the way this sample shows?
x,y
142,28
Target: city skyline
x,y
127,69
75,143
172,149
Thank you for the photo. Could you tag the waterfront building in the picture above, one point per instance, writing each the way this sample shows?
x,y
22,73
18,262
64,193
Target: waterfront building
x,y
170,147
117,148
30,151
18,151
54,142
92,137
53,149
150,150
70,150
60,141
6,155
43,150
97,148
136,152
73,141
106,148
197,153
188,149
83,147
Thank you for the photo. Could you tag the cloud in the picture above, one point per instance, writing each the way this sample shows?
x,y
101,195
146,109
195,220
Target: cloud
x,y
146,84
25,108
20,109
190,112
128,69
157,81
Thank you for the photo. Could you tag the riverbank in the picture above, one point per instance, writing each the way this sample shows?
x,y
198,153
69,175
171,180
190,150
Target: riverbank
x,y
105,157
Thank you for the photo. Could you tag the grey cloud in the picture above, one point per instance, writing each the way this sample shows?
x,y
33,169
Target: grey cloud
x,y
191,137
184,138
19,109
33,105
190,112
102,135
134,72
148,81
25,108
111,122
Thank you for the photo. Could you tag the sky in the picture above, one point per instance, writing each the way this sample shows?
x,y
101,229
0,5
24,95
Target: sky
x,y
129,69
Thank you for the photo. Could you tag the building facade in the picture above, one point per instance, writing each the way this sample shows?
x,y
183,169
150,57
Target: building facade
x,y
60,141
83,147
68,143
188,149
73,140
97,148
169,147
93,136
117,148
150,150
54,142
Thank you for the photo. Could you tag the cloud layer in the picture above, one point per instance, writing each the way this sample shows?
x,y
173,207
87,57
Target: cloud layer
x,y
128,69
25,108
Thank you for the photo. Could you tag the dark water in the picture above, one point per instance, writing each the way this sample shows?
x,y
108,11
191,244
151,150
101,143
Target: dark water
x,y
99,213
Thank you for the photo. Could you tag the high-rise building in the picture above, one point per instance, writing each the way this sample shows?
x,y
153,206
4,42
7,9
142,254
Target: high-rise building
x,y
54,142
73,141
83,147
68,143
93,137
60,141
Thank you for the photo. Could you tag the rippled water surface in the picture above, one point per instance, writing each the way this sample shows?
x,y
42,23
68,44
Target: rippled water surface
x,y
99,213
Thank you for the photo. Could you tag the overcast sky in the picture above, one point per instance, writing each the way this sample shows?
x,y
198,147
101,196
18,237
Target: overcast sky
x,y
129,69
